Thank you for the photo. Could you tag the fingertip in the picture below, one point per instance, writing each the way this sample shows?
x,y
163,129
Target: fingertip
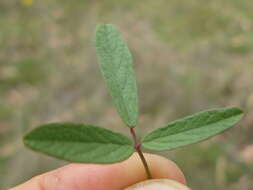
x,y
160,167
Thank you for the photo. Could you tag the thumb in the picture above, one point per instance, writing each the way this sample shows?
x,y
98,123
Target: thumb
x,y
107,177
161,184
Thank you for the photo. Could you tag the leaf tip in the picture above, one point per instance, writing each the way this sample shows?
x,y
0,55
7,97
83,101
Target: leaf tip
x,y
102,28
25,139
238,111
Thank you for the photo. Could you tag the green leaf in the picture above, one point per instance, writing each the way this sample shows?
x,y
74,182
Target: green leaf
x,y
192,129
79,143
116,64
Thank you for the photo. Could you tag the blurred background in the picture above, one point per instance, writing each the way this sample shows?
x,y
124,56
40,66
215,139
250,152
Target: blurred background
x,y
189,55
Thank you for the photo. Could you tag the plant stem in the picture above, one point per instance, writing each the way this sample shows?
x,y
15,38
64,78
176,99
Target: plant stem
x,y
137,146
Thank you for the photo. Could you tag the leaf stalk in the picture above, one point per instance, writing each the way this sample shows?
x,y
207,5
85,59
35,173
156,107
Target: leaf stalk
x,y
137,146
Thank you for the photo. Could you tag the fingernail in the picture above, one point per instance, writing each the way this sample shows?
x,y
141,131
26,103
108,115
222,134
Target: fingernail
x,y
158,184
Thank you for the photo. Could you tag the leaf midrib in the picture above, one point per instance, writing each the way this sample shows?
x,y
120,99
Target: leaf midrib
x,y
116,83
76,141
164,136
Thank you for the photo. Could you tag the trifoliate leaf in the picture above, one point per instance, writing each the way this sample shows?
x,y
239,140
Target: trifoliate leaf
x,y
192,129
80,143
116,64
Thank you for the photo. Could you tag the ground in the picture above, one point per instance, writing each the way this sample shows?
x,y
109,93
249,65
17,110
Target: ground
x,y
189,55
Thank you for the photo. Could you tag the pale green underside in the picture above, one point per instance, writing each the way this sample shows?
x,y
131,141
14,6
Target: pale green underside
x,y
80,143
192,129
116,65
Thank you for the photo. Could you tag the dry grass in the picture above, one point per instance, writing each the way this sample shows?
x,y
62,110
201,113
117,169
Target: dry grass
x,y
189,55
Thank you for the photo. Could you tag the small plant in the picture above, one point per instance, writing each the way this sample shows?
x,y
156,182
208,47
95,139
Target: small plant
x,y
92,144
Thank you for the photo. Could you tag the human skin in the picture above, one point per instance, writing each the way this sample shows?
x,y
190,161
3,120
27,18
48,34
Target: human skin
x,y
104,177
